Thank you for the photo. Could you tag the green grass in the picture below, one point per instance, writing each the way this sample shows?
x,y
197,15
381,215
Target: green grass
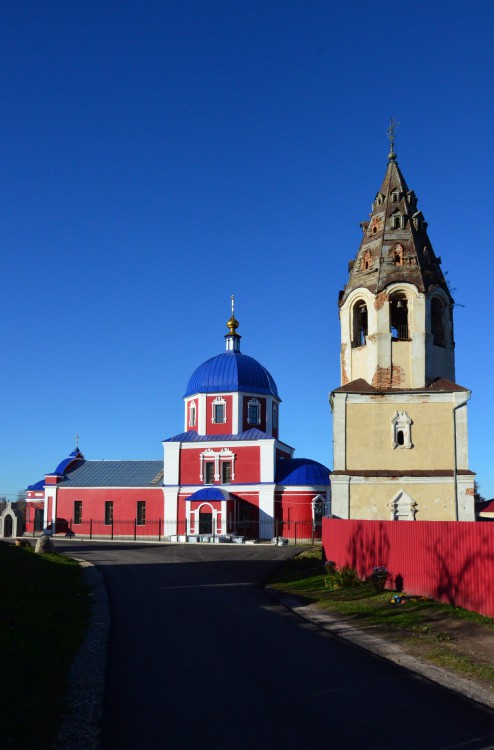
x,y
420,626
44,611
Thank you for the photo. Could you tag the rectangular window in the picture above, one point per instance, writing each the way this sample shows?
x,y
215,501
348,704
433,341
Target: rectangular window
x,y
141,512
253,413
77,511
192,420
226,472
219,413
209,472
108,512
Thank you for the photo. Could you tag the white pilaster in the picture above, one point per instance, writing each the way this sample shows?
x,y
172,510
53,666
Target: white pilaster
x,y
201,414
266,512
171,465
267,461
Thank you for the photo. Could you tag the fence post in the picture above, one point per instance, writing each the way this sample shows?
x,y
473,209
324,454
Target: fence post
x,y
313,533
90,528
276,528
135,529
112,528
296,522
159,529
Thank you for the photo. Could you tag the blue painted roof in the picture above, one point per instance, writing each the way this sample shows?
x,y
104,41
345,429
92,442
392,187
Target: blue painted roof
x,y
231,372
194,437
116,474
75,457
302,471
37,486
210,493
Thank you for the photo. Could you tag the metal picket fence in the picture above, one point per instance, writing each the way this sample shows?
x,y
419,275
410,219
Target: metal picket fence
x,y
301,533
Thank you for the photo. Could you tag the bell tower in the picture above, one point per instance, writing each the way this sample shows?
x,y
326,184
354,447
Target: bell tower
x,y
399,418
396,311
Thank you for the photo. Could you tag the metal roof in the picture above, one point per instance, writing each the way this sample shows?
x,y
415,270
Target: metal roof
x,y
302,471
116,474
210,493
194,437
231,372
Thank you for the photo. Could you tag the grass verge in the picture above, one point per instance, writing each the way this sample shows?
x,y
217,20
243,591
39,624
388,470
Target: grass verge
x,y
44,611
450,637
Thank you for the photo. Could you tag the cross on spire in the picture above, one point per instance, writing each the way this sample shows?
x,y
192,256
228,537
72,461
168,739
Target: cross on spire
x,y
393,124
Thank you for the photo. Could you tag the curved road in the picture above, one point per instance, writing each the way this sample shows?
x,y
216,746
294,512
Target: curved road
x,y
201,656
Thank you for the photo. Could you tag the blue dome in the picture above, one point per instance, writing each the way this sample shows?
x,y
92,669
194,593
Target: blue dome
x,y
301,471
231,372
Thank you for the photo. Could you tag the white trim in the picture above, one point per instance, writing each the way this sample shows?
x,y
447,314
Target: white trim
x,y
429,479
401,423
235,413
403,507
219,401
405,397
171,463
201,408
218,456
254,402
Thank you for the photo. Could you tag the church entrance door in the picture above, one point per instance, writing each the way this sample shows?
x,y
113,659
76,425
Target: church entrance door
x,y
205,523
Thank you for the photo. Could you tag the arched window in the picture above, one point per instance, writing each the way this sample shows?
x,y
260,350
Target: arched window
x,y
437,322
192,414
401,432
398,316
360,323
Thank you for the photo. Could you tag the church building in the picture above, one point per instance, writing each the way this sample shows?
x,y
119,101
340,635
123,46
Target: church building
x,y
227,474
399,417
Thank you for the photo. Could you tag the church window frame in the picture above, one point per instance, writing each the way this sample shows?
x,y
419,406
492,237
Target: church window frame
x,y
275,415
401,435
108,512
395,196
77,512
226,472
141,513
254,411
192,414
209,472
360,323
218,411
403,507
396,221
211,465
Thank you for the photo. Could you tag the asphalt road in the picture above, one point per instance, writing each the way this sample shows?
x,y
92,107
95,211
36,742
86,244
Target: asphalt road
x,y
200,655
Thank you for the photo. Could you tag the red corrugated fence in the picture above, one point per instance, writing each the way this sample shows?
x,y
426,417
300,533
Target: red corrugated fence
x,y
451,561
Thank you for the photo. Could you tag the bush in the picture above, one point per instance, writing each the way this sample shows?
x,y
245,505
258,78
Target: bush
x,y
344,578
379,577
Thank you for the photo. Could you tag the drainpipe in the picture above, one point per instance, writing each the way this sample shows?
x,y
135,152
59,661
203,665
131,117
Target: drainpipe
x,y
455,468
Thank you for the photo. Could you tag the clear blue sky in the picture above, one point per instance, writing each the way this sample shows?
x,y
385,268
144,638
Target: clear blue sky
x,y
157,157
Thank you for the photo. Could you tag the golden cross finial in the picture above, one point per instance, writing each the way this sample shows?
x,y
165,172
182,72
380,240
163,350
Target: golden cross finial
x,y
77,441
233,304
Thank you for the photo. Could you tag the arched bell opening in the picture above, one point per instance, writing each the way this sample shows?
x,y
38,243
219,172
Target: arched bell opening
x,y
398,317
360,325
438,321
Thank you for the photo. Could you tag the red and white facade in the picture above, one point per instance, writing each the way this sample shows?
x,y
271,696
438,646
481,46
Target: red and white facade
x,y
227,474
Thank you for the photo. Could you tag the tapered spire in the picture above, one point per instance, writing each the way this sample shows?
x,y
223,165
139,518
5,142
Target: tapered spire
x,y
395,246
